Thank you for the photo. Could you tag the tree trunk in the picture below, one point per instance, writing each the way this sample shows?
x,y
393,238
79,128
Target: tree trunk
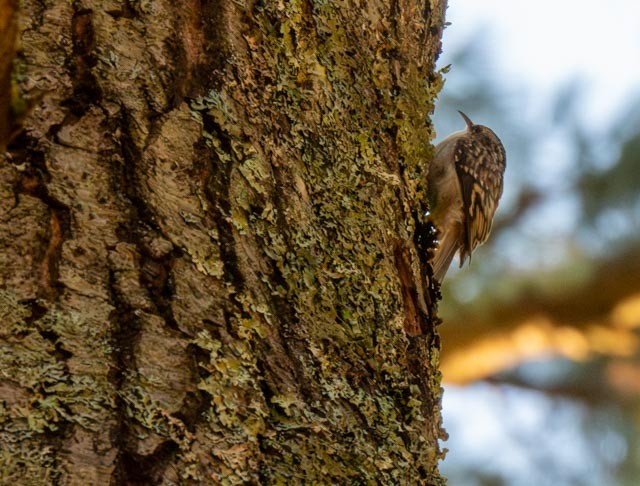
x,y
8,31
208,269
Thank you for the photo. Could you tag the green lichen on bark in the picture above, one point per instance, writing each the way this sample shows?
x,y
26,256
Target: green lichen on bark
x,y
325,148
222,198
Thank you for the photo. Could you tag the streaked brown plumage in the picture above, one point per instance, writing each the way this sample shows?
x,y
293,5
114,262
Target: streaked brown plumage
x,y
464,187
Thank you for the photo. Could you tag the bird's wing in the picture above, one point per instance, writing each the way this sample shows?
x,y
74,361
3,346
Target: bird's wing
x,y
449,243
480,181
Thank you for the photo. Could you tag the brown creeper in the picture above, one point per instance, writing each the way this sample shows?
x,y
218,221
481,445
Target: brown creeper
x,y
464,187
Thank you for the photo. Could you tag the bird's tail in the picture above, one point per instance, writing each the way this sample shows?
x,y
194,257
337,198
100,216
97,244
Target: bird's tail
x,y
445,253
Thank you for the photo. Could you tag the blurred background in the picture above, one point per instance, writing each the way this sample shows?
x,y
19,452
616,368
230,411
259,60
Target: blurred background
x,y
541,333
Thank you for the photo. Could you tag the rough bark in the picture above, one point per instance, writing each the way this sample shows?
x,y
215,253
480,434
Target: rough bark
x,y
208,268
8,31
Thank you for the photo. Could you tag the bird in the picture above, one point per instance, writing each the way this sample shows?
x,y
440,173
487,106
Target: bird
x,y
464,186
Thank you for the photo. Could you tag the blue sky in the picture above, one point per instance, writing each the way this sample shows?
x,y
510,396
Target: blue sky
x,y
537,49
540,46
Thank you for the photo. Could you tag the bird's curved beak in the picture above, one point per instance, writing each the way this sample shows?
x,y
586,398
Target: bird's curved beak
x,y
467,120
